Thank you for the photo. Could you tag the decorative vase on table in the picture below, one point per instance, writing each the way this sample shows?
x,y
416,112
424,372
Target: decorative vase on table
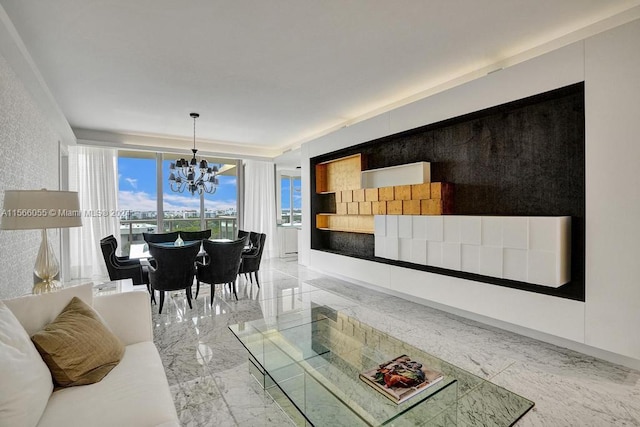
x,y
179,241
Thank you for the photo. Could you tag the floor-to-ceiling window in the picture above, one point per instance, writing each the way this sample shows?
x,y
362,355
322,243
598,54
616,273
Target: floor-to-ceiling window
x,y
137,196
148,204
290,199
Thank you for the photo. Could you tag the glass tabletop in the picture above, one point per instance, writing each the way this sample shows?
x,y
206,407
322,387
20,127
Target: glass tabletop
x,y
313,357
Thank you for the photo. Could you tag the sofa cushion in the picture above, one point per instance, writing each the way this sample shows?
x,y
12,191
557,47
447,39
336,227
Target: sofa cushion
x,y
77,347
135,393
36,311
26,382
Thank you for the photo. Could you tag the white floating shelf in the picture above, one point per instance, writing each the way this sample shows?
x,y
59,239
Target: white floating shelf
x,y
527,249
412,173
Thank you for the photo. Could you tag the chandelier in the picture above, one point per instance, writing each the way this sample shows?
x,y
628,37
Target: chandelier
x,y
193,175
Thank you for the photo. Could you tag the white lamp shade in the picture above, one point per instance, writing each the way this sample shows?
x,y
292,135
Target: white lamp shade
x,y
40,209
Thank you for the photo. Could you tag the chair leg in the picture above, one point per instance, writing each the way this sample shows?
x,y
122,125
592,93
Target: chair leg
x,y
161,301
213,292
255,273
197,288
234,289
152,294
188,292
250,279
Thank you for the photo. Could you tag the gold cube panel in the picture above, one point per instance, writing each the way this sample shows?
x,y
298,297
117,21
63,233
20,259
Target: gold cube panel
x,y
371,195
365,208
421,191
379,208
411,207
385,194
353,208
394,207
402,192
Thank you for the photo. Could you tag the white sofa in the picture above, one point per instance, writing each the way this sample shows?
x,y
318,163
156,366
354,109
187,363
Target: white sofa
x,y
135,393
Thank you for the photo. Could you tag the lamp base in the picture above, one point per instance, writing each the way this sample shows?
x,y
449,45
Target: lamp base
x,y
46,286
45,272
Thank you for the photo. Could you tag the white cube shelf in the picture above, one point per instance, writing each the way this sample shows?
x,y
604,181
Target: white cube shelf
x,y
412,173
535,250
405,226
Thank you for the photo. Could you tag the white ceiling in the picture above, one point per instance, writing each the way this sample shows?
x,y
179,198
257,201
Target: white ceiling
x,y
268,75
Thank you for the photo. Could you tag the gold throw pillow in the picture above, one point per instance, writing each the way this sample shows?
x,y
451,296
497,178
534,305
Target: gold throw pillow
x,y
77,346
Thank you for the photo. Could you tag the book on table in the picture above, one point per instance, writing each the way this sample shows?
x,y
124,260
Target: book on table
x,y
401,378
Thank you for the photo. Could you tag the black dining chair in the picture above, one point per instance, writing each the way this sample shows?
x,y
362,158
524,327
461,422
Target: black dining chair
x,y
243,235
221,265
160,237
174,269
121,267
251,258
195,235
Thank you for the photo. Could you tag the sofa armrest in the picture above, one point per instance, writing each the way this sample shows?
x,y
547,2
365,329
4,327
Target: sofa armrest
x,y
127,314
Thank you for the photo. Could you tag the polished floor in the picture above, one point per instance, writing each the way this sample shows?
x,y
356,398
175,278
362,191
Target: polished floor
x,y
209,376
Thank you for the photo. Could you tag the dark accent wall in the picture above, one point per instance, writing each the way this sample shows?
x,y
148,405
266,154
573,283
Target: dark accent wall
x,y
525,157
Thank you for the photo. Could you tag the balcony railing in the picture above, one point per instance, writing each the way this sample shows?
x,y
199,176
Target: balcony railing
x,y
131,229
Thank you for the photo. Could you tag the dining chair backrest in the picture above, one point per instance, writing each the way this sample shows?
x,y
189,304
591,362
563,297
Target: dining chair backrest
x,y
223,261
175,266
160,237
120,267
244,235
195,235
252,258
254,239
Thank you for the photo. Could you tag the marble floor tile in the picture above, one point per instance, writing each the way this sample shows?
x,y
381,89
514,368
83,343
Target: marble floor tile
x,y
209,377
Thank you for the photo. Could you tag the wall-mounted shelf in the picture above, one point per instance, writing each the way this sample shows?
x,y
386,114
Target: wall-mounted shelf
x,y
340,174
350,223
411,173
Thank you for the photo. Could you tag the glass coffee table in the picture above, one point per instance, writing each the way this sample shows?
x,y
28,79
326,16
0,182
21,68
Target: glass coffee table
x,y
309,361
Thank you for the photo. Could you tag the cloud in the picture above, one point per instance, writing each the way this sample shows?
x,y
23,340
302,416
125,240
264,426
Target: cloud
x,y
132,182
136,201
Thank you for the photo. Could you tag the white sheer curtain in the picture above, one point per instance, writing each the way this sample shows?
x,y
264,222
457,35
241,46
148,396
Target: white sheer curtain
x,y
260,203
93,174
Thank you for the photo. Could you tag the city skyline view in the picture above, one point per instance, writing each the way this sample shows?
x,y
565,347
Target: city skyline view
x,y
137,189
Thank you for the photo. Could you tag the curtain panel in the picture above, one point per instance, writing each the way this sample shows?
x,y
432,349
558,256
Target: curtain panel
x,y
93,174
260,203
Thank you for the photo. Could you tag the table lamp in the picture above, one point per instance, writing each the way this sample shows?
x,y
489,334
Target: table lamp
x,y
42,209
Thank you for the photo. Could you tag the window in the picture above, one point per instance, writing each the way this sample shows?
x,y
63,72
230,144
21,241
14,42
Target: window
x,y
138,198
137,195
290,199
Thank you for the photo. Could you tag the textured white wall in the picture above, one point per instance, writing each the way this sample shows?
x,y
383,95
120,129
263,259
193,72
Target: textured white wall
x,y
29,160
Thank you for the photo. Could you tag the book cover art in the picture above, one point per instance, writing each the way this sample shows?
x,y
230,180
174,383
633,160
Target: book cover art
x,y
401,378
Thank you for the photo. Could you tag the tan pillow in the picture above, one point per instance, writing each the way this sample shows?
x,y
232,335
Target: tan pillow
x,y
77,347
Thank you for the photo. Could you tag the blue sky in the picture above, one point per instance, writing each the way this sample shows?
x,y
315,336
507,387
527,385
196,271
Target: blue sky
x,y
137,189
297,195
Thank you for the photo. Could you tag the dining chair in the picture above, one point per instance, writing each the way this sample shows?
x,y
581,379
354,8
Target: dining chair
x,y
160,237
174,269
252,257
221,265
121,267
195,235
243,234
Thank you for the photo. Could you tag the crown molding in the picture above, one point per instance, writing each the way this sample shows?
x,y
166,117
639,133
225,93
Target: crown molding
x,y
165,144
